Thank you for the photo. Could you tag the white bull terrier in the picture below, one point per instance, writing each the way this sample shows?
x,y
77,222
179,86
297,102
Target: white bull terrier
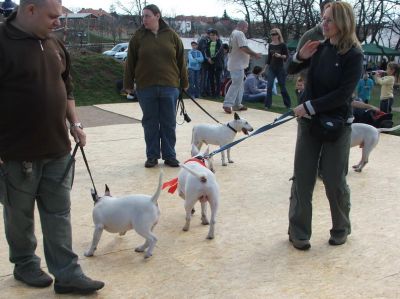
x,y
220,134
196,182
367,137
118,215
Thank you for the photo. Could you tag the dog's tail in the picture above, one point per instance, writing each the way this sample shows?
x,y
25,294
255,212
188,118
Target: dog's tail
x,y
380,130
201,177
156,195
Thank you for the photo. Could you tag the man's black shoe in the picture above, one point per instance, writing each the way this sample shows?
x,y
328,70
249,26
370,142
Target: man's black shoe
x,y
151,162
172,162
34,277
300,244
81,284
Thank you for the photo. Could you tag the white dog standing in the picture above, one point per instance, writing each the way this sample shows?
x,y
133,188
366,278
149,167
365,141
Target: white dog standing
x,y
220,134
118,215
196,182
367,137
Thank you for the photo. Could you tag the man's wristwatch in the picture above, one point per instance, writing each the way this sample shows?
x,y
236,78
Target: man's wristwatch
x,y
76,125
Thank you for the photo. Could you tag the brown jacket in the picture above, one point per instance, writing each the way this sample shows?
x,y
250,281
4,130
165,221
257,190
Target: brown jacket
x,y
34,87
156,59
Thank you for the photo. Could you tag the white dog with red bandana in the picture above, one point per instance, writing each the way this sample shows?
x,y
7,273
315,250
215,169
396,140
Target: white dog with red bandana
x,y
196,182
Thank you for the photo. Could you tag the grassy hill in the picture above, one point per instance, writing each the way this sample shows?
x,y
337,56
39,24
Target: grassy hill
x,y
94,77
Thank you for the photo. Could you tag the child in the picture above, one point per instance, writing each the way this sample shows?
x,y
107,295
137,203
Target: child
x,y
364,88
299,88
195,58
387,84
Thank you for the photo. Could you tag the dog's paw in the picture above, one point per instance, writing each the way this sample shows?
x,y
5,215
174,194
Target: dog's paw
x,y
204,221
355,166
139,249
185,228
147,255
224,164
210,237
231,161
88,253
357,169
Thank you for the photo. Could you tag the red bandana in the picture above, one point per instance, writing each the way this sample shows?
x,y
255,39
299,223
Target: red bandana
x,y
173,184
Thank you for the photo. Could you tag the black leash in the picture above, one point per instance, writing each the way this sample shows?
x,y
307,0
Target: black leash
x,y
277,122
72,161
198,105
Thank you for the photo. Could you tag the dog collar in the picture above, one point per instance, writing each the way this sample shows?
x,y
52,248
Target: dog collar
x,y
199,160
229,126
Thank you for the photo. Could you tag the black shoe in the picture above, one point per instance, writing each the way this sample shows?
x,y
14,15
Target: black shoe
x,y
151,162
300,244
172,162
34,277
338,240
81,284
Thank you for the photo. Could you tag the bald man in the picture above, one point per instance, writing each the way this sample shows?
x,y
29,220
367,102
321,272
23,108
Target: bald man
x,y
35,102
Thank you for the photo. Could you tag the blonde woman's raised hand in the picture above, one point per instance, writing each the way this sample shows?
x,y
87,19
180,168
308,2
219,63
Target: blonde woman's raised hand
x,y
308,50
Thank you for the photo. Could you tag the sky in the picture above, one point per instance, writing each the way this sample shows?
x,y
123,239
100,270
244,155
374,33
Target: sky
x,y
209,8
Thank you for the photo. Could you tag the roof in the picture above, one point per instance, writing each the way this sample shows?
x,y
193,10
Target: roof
x,y
78,16
97,12
374,49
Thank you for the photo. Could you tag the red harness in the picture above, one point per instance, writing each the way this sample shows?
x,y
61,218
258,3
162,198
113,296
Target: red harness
x,y
173,184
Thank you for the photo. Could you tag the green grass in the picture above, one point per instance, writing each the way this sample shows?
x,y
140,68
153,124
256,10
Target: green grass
x,y
94,77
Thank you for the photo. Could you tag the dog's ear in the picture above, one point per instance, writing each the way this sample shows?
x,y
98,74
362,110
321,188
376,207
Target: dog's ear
x,y
207,151
107,191
195,150
236,116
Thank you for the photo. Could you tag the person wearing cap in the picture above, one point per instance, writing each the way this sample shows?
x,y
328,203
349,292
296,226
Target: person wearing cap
x,y
238,60
202,46
195,59
215,60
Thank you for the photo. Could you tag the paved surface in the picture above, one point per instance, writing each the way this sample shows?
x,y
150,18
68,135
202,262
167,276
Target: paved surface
x,y
250,256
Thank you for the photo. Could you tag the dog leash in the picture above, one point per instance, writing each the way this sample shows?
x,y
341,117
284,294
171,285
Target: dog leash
x,y
183,110
277,122
72,161
198,105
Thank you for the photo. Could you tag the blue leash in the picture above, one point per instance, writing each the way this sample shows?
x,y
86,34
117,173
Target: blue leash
x,y
277,122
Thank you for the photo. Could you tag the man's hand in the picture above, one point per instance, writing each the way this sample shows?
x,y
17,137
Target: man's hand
x,y
79,135
257,55
1,161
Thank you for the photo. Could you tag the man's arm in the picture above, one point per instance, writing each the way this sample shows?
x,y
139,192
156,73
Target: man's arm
x,y
249,51
76,128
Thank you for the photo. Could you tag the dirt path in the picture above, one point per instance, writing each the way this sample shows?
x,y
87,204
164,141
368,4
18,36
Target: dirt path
x,y
91,116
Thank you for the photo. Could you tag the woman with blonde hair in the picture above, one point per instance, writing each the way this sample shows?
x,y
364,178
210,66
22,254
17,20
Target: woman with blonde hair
x,y
277,55
324,118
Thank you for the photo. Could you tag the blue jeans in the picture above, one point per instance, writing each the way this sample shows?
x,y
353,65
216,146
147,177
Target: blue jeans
x,y
194,83
255,98
158,104
281,76
386,105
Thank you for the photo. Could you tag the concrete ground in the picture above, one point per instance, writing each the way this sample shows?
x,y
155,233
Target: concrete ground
x,y
250,256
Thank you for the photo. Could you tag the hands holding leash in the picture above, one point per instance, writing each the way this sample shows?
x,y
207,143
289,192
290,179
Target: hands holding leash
x,y
300,111
76,131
